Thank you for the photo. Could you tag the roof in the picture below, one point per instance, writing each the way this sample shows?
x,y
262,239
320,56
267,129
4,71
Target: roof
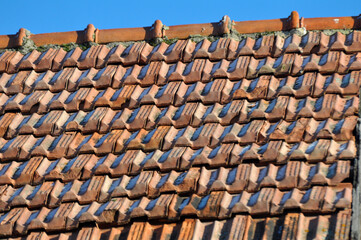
x,y
237,138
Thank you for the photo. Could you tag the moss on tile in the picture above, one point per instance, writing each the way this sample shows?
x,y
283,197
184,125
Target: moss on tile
x,y
114,44
197,38
66,47
238,36
155,41
28,46
46,47
85,46
164,27
7,49
330,32
27,33
70,46
169,41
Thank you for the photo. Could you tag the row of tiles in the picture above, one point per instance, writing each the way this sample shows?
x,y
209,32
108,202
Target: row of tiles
x,y
239,118
204,145
181,50
210,140
217,205
150,184
291,226
177,158
209,98
200,70
132,162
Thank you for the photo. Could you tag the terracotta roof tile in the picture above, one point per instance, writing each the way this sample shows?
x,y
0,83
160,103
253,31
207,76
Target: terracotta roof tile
x,y
249,138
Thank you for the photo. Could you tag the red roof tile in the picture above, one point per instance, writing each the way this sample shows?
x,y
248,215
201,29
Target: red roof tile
x,y
248,138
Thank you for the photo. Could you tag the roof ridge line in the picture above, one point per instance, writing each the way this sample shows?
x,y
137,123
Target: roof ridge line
x,y
159,30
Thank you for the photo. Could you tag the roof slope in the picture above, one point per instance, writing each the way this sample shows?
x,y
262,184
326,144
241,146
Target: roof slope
x,y
231,139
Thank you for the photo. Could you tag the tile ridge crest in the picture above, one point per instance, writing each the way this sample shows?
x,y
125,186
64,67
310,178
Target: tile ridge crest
x,y
159,30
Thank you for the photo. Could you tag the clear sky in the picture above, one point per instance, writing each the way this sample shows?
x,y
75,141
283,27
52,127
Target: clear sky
x,y
68,15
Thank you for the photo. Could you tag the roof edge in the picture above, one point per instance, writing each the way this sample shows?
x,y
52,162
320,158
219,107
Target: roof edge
x,y
159,30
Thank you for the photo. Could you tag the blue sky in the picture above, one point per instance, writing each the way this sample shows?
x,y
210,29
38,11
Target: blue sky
x,y
69,15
